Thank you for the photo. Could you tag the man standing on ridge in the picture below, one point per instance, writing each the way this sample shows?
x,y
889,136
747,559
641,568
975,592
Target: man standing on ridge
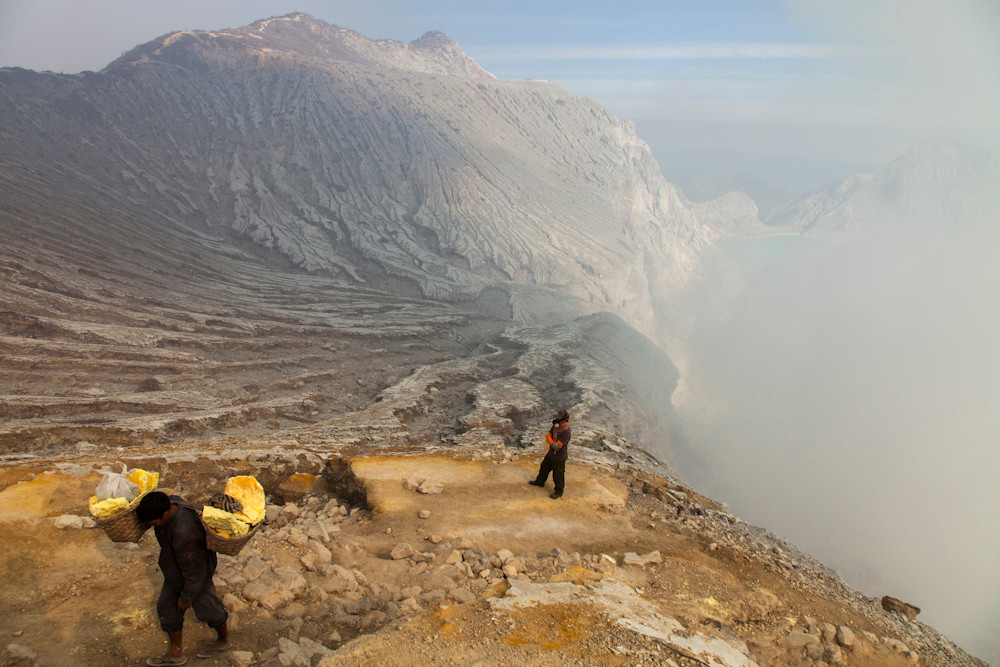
x,y
188,567
555,459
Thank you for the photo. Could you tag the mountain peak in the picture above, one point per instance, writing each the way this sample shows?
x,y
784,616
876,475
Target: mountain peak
x,y
434,39
300,36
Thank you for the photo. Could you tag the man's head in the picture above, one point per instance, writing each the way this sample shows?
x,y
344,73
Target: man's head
x,y
560,417
154,508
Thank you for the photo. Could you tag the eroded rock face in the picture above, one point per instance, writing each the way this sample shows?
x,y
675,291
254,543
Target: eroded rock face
x,y
154,279
403,167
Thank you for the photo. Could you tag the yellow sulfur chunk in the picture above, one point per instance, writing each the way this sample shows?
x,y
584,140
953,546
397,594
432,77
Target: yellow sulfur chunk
x,y
102,509
146,481
250,493
223,523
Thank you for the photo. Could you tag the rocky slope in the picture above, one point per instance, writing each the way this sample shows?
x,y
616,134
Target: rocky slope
x,y
114,333
406,556
403,167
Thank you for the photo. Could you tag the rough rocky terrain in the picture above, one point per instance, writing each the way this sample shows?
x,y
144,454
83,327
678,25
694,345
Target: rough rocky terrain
x,y
439,556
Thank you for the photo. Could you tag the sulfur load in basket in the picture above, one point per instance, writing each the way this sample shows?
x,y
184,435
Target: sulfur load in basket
x,y
228,532
116,513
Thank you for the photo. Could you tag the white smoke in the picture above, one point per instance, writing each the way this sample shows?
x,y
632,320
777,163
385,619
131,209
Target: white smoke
x,y
860,384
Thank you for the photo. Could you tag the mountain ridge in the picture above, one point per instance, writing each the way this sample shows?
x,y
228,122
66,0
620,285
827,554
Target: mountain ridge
x,y
301,35
447,187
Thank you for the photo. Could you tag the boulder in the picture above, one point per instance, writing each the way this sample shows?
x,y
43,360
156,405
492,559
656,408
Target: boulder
x,y
797,639
476,559
401,551
833,655
424,514
298,540
392,610
318,532
254,568
519,564
268,593
291,654
899,607
291,579
845,637
322,553
309,561
430,488
652,558
607,564
433,596
461,595
814,651
634,560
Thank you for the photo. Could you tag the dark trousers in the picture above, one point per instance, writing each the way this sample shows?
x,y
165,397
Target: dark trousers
x,y
558,470
207,607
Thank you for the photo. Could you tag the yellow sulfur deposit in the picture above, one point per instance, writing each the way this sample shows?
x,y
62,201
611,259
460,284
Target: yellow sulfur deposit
x,y
223,523
146,481
102,509
250,493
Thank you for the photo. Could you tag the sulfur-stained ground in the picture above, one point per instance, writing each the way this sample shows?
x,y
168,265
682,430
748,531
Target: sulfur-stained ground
x,y
75,597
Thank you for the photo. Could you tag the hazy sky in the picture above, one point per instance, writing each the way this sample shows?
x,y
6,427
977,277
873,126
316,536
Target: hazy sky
x,y
846,81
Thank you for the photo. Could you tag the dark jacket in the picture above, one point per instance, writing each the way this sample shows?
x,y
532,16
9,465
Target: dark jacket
x,y
186,562
561,453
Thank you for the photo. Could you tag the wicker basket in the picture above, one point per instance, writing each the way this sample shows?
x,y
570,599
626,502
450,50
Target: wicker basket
x,y
123,526
227,545
217,543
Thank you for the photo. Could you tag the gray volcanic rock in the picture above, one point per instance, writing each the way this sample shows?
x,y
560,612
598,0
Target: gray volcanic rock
x,y
403,167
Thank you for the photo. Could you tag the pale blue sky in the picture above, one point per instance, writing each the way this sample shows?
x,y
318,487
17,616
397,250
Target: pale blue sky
x,y
843,83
